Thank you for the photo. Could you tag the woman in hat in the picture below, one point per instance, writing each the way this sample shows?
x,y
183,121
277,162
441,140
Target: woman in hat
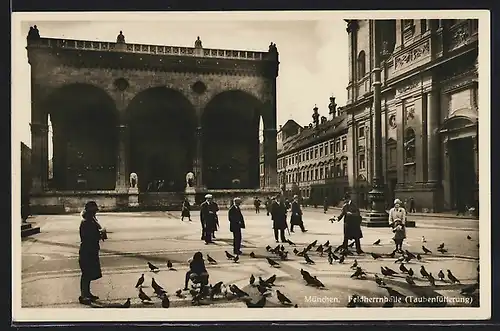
x,y
296,218
90,234
186,210
397,220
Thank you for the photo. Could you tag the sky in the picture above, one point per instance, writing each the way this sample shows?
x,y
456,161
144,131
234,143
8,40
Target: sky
x,y
313,52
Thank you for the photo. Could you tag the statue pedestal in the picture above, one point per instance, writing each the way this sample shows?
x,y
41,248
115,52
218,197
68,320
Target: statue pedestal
x,y
190,193
133,197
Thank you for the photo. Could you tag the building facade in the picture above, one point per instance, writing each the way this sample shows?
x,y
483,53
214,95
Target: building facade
x,y
25,174
429,110
313,160
160,112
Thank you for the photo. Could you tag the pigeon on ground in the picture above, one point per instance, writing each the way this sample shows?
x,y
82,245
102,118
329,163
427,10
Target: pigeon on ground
x,y
379,280
377,242
178,293
411,272
469,237
403,268
140,281
155,285
229,256
252,255
441,246
272,263
452,277
327,243
387,271
426,250
358,273
308,259
423,272
268,248
237,291
375,256
252,280
410,281
211,260
165,302
282,298
291,243
431,279
170,266
143,296
126,304
271,280
152,267
441,275
354,264
419,257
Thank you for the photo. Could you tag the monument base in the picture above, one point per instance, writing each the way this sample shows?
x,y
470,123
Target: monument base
x,y
190,194
133,197
374,219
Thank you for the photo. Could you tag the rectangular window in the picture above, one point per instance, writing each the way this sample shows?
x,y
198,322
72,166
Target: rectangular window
x,y
321,173
326,149
344,169
315,174
337,146
315,152
362,162
321,151
331,147
344,144
361,131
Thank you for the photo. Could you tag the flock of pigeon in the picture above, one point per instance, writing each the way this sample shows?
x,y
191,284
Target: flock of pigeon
x,y
334,255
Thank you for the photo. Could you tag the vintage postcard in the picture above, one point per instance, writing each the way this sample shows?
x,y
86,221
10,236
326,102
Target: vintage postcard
x,y
189,166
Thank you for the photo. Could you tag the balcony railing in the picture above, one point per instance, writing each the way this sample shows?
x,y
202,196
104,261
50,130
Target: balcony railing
x,y
148,49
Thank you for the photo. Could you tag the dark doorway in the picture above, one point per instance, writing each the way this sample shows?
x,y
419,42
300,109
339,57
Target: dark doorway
x,y
462,173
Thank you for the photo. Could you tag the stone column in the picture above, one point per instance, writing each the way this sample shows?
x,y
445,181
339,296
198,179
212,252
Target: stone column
x,y
433,143
39,156
419,139
122,172
270,159
198,159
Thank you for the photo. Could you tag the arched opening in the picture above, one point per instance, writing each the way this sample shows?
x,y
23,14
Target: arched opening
x,y
83,121
361,64
162,125
231,141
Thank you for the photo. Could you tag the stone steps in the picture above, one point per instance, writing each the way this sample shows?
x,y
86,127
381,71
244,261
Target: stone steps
x,y
27,229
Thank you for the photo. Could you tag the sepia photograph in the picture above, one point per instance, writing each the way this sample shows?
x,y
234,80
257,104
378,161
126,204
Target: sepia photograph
x,y
207,163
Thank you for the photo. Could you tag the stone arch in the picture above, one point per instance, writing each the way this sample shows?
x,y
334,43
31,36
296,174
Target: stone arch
x,y
85,138
162,124
361,64
230,123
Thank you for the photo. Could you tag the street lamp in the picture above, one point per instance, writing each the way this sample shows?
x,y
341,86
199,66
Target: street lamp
x,y
377,216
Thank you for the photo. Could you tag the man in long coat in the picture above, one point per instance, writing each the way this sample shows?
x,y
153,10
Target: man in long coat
x,y
208,217
236,223
278,215
352,223
296,218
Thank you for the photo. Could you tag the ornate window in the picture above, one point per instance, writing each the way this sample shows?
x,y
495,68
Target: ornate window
x,y
362,162
361,64
409,146
344,144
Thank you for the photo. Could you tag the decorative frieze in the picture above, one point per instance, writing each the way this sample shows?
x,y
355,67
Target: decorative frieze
x,y
412,85
412,55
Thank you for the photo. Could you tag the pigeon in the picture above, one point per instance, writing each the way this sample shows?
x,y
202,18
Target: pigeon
x,y
341,259
126,304
423,239
327,243
252,255
296,306
431,279
389,271
469,237
170,266
393,254
419,257
468,290
236,259
259,304
237,291
441,246
282,248
211,260
264,283
410,254
442,250
403,268
295,251
252,279
268,248
330,258
354,264
262,289
308,259
426,250
155,285
441,275
152,267
140,281
160,292
407,258
165,302
452,277
377,242
272,263
178,293
319,249
313,244
229,256
375,256
358,273
400,259
291,243
410,281
283,256
317,282
423,272
282,298
379,280
216,289
328,250
143,296
410,272
271,280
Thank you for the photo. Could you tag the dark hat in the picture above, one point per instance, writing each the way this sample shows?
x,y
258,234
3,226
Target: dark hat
x,y
91,206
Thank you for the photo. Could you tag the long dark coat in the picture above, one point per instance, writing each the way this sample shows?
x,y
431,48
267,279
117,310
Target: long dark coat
x,y
352,222
89,249
186,208
236,219
296,218
278,215
208,215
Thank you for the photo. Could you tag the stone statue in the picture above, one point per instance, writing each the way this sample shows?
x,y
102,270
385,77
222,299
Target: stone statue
x,y
134,180
120,39
197,43
332,106
315,116
189,179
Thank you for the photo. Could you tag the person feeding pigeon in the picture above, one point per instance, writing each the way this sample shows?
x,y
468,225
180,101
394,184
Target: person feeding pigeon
x,y
296,218
197,272
352,223
90,266
397,220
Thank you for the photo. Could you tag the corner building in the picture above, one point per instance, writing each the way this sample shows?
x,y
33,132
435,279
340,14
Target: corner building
x,y
429,110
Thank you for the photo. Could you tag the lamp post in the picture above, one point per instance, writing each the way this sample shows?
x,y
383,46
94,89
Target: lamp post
x,y
377,216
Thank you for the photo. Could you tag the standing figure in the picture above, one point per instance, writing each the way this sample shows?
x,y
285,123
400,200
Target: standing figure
x,y
186,210
412,205
325,205
268,205
256,203
397,220
236,223
278,215
208,217
296,218
352,223
88,256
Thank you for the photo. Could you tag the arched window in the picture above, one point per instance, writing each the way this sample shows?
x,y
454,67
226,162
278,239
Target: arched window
x,y
409,145
361,64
